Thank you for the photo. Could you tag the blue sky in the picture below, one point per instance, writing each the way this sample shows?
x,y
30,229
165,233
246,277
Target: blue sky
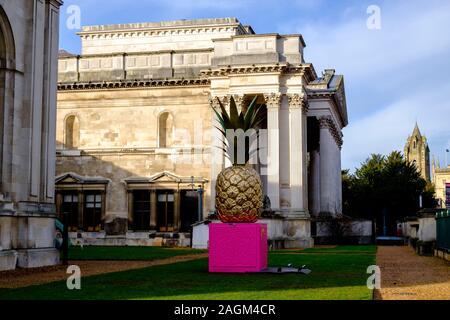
x,y
394,76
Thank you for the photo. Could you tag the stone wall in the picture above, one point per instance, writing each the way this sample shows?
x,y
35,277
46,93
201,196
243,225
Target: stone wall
x,y
427,229
118,137
28,84
441,177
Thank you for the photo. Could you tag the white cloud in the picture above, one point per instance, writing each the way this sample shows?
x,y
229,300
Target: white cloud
x,y
387,129
393,76
407,35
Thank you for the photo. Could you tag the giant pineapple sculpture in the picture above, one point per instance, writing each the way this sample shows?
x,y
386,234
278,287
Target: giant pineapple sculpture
x,y
239,195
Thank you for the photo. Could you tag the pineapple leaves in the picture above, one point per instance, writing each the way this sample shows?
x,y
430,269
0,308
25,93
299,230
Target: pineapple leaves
x,y
237,145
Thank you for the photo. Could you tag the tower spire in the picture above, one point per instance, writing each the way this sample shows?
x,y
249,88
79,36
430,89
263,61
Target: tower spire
x,y
416,130
417,152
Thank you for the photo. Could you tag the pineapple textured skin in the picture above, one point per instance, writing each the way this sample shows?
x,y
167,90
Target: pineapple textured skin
x,y
238,195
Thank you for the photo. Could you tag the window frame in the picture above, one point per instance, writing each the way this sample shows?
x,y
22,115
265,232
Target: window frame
x,y
144,220
96,219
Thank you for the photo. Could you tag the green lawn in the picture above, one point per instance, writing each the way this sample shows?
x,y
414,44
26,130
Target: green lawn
x,y
363,249
336,274
127,253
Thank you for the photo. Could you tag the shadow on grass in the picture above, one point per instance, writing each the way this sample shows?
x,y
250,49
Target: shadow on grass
x,y
334,276
128,253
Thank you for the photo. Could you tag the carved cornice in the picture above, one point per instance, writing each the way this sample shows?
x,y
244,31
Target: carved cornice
x,y
326,122
298,101
303,69
273,100
127,84
241,70
161,31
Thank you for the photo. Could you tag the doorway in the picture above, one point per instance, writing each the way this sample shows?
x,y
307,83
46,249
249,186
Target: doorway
x,y
189,209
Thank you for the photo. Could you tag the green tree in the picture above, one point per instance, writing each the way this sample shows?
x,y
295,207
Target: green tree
x,y
385,189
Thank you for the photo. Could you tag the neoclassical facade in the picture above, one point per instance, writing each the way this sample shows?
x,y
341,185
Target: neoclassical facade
x,y
137,145
28,85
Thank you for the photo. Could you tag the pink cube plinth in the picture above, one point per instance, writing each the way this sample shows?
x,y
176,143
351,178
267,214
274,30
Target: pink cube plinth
x,y
237,247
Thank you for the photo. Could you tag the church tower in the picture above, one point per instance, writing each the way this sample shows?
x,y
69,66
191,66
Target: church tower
x,y
417,152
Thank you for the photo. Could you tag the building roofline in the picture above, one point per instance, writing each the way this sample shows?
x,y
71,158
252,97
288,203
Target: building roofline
x,y
170,24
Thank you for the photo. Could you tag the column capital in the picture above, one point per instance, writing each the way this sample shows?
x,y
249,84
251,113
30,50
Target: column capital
x,y
239,99
214,101
326,122
298,101
273,100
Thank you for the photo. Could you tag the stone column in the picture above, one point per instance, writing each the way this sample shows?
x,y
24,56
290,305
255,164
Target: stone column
x,y
153,210
314,187
81,210
339,176
130,209
298,109
330,171
177,215
240,101
273,102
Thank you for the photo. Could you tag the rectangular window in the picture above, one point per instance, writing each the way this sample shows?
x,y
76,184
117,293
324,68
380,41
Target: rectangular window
x,y
165,207
141,210
447,195
69,206
92,215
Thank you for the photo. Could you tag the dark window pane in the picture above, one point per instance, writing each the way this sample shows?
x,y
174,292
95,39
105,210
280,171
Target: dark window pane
x,y
141,210
69,206
165,211
92,217
188,209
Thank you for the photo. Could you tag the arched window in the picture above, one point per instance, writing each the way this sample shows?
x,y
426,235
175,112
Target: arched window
x,y
165,128
7,65
2,94
72,130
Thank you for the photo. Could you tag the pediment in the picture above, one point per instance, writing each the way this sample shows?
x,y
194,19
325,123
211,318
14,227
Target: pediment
x,y
165,177
68,178
73,178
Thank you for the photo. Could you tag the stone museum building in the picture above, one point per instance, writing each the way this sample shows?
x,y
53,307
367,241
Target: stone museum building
x,y
28,85
137,145
441,181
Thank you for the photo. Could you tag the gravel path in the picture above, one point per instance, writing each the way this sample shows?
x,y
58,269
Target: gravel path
x,y
408,276
27,277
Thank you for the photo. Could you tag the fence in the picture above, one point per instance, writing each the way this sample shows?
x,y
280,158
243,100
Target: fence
x,y
443,229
